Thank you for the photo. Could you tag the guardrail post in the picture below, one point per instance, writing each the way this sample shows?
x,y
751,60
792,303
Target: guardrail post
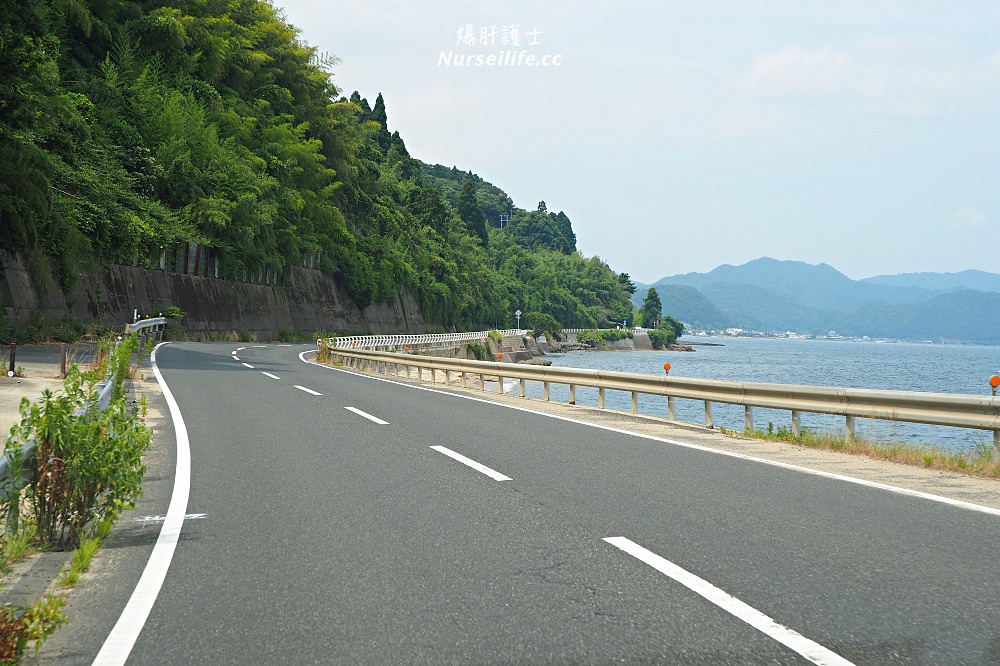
x,y
671,408
850,426
465,379
572,394
447,377
600,398
482,381
708,415
748,418
796,423
546,385
996,442
523,382
635,402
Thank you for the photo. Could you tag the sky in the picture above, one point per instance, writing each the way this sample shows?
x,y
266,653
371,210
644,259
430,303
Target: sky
x,y
679,135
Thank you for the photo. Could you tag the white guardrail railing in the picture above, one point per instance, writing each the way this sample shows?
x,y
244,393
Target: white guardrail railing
x,y
400,341
944,409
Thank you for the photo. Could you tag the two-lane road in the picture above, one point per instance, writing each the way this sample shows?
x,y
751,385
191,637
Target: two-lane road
x,y
349,519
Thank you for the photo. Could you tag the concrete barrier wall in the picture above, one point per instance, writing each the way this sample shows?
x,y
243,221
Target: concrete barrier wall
x,y
309,300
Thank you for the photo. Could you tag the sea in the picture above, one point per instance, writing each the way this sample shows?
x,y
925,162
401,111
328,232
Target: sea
x,y
934,368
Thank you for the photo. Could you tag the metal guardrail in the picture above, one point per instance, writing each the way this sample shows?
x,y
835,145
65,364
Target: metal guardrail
x,y
8,482
944,409
399,341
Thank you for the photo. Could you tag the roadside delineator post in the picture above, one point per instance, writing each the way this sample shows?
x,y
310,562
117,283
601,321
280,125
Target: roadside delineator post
x,y
13,350
671,414
994,383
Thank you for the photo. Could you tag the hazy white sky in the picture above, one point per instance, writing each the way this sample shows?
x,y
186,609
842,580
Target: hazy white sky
x,y
680,135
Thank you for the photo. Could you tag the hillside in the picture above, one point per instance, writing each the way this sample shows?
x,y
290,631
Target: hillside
x,y
971,279
775,296
209,139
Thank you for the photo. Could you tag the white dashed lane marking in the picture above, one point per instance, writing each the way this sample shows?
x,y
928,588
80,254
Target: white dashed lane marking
x,y
366,415
791,639
492,473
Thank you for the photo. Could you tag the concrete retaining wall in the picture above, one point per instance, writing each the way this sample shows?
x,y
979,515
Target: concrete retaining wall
x,y
309,300
642,341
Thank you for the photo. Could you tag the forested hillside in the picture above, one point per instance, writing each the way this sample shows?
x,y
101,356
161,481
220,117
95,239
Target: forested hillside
x,y
128,127
776,296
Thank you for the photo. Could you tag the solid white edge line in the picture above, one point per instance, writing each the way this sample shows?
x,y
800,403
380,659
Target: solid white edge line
x,y
123,636
479,467
961,504
268,374
307,390
367,415
249,366
790,638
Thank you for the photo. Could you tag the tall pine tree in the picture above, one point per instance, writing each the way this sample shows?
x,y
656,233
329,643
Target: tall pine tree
x,y
651,310
471,213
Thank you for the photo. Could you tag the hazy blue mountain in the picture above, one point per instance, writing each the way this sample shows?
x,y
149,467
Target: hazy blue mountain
x,y
958,316
817,286
971,279
773,296
686,304
756,308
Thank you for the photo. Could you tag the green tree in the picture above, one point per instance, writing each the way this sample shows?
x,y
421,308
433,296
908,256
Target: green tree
x,y
651,310
543,324
471,213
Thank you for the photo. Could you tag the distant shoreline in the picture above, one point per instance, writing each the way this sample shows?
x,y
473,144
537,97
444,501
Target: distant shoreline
x,y
700,344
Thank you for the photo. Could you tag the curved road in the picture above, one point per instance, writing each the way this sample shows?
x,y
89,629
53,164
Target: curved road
x,y
335,518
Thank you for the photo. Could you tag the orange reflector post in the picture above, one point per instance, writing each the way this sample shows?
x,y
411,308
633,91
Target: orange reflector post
x,y
994,381
666,366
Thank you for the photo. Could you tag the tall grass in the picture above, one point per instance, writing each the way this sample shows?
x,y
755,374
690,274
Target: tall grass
x,y
979,461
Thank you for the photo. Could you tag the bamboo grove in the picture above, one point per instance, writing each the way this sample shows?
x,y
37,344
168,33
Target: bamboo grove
x,y
128,126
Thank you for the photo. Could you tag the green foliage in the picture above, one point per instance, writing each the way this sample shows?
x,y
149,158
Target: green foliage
x,y
651,310
324,348
89,466
19,627
660,338
64,329
471,214
600,338
542,230
495,336
174,312
478,351
544,324
128,127
672,327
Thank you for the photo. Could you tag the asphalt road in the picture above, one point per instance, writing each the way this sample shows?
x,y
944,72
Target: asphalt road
x,y
336,518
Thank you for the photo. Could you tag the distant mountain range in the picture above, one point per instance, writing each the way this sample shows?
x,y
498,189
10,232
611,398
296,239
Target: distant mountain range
x,y
773,296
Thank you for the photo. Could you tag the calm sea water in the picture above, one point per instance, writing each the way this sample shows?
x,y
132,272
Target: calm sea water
x,y
896,366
